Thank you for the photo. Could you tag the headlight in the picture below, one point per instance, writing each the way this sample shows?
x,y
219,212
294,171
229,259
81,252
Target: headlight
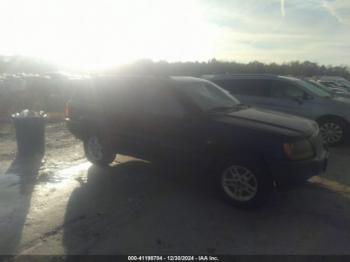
x,y
298,150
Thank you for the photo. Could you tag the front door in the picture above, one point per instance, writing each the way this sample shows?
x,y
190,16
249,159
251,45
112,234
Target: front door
x,y
289,98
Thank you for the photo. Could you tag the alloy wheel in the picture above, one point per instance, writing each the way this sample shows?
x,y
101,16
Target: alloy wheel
x,y
239,183
331,132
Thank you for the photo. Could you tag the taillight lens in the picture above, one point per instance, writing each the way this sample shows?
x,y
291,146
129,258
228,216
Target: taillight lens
x,y
67,111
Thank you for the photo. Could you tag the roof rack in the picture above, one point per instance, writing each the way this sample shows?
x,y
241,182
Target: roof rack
x,y
224,75
121,75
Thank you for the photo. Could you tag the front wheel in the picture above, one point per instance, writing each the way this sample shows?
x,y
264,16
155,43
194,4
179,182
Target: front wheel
x,y
245,185
97,152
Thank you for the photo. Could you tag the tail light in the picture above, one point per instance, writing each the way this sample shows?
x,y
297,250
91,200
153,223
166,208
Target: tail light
x,y
67,111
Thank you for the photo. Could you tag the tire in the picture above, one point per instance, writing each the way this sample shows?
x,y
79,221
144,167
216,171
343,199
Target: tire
x,y
332,131
244,184
97,151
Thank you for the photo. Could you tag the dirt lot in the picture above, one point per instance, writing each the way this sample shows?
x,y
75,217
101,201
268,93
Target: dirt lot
x,y
61,147
66,206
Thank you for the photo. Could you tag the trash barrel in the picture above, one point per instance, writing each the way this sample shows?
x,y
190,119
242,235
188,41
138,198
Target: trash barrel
x,y
30,133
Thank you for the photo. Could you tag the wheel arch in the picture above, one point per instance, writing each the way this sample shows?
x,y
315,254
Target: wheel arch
x,y
250,157
265,179
330,116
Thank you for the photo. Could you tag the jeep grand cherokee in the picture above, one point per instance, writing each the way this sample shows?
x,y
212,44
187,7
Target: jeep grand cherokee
x,y
246,151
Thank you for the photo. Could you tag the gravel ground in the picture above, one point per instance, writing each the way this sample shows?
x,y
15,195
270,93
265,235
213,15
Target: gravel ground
x,y
62,149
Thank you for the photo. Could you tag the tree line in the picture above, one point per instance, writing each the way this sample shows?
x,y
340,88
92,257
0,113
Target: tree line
x,y
47,90
294,68
21,64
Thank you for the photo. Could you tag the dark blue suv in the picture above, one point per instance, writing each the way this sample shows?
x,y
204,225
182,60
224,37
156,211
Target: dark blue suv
x,y
246,151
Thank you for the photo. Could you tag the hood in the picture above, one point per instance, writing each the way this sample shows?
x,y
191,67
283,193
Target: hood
x,y
270,121
339,105
342,99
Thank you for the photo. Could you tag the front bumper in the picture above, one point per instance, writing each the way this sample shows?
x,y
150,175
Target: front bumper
x,y
290,173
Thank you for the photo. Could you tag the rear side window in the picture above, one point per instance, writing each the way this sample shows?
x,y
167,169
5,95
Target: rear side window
x,y
82,92
247,87
132,96
116,95
155,100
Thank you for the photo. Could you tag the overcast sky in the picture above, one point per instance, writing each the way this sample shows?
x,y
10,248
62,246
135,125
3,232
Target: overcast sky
x,y
273,30
100,33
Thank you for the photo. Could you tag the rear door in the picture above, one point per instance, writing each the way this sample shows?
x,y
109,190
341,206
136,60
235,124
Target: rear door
x,y
161,128
118,110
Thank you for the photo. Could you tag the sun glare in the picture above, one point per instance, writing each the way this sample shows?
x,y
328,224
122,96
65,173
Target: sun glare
x,y
96,34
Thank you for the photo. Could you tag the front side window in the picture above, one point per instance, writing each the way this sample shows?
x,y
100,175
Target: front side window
x,y
313,89
246,87
283,89
319,85
231,85
207,96
253,87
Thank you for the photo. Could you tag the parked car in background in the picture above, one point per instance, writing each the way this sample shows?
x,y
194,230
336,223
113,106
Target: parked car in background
x,y
245,150
334,81
293,96
332,91
333,86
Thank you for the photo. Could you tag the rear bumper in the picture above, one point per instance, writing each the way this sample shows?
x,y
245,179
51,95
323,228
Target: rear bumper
x,y
291,173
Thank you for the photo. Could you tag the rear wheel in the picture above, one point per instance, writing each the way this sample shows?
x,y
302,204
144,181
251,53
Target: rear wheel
x,y
332,131
243,184
97,151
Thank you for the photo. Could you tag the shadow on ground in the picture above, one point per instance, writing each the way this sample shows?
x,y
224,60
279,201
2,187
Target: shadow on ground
x,y
16,190
338,165
139,208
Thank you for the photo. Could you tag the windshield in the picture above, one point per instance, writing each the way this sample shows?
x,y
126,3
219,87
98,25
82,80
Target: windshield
x,y
324,88
315,90
343,84
208,96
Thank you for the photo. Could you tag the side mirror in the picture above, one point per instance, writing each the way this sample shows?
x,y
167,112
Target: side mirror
x,y
307,97
298,99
